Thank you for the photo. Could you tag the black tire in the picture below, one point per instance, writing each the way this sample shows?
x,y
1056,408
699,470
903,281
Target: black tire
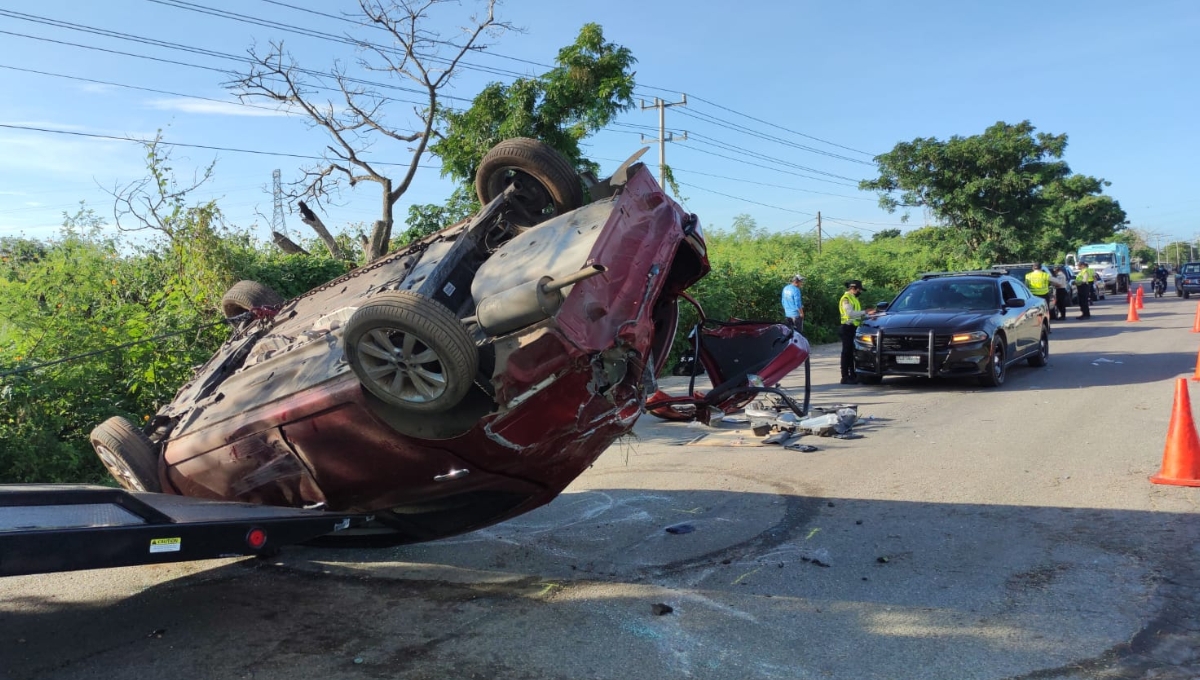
x,y
1186,295
128,454
869,379
1039,358
246,295
411,352
546,182
996,367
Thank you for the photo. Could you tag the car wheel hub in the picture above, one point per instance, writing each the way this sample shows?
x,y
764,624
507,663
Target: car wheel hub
x,y
403,365
117,465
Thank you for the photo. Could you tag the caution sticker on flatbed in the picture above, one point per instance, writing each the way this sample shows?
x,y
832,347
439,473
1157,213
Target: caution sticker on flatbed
x,y
164,545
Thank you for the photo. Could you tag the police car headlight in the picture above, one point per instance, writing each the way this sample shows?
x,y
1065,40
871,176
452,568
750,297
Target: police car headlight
x,y
964,338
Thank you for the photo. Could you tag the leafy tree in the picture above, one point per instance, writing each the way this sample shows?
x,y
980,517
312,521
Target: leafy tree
x,y
1007,193
429,218
590,84
885,233
1077,214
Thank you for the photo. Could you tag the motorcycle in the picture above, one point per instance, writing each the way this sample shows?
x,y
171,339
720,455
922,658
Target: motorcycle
x,y
1160,287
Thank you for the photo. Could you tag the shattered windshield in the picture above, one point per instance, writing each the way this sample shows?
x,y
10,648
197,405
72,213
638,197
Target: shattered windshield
x,y
955,295
1097,258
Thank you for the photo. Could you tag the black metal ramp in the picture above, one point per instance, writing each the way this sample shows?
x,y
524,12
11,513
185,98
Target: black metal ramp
x,y
65,527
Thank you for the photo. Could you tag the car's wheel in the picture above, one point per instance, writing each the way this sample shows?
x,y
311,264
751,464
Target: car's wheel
x,y
1186,295
544,181
128,454
411,352
1039,358
246,295
869,378
996,364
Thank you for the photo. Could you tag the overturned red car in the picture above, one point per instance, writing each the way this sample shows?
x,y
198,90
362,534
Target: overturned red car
x,y
450,385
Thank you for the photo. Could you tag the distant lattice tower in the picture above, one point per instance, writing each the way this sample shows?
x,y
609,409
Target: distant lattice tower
x,y
277,224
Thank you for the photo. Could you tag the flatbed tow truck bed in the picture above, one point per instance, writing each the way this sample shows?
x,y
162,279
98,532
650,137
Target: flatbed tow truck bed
x,y
66,527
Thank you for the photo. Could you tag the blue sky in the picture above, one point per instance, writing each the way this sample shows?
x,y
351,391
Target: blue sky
x,y
843,78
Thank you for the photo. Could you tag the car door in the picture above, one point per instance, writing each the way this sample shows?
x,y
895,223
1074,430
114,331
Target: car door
x,y
1016,319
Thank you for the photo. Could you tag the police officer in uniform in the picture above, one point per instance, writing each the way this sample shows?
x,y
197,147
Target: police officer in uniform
x,y
851,315
1084,281
1038,283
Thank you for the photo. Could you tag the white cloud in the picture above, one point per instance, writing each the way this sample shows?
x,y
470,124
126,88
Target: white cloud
x,y
215,108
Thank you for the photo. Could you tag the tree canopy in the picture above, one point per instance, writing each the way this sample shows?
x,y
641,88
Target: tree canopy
x,y
590,84
1007,194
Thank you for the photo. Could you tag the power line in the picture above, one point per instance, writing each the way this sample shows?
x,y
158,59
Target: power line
x,y
703,139
767,167
882,224
739,198
143,89
312,33
182,4
244,18
191,146
851,226
359,23
765,184
780,127
153,42
229,74
770,138
726,146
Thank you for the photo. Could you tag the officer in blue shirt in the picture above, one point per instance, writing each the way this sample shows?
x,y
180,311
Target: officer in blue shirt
x,y
793,303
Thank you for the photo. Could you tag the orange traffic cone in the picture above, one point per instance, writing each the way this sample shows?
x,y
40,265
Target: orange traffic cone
x,y
1133,315
1181,458
1140,302
1196,321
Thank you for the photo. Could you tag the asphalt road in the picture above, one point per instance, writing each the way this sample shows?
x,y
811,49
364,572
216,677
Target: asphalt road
x,y
971,533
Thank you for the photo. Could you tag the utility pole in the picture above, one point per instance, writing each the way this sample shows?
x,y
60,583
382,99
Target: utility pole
x,y
277,224
663,135
818,232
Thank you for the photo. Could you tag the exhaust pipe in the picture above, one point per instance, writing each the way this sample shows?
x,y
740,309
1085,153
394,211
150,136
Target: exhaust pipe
x,y
528,303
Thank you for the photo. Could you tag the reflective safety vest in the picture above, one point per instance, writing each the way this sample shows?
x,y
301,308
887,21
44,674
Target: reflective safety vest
x,y
854,305
1085,275
1038,282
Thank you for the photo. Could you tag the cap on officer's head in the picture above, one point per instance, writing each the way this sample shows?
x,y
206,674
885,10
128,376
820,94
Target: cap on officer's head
x,y
798,279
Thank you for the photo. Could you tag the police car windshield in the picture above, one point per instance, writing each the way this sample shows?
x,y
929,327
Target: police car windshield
x,y
947,294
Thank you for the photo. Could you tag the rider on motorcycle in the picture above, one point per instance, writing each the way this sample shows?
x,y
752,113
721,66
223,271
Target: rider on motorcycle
x,y
1161,275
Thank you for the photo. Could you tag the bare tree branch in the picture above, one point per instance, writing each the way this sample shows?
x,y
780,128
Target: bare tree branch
x,y
313,220
415,55
287,245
